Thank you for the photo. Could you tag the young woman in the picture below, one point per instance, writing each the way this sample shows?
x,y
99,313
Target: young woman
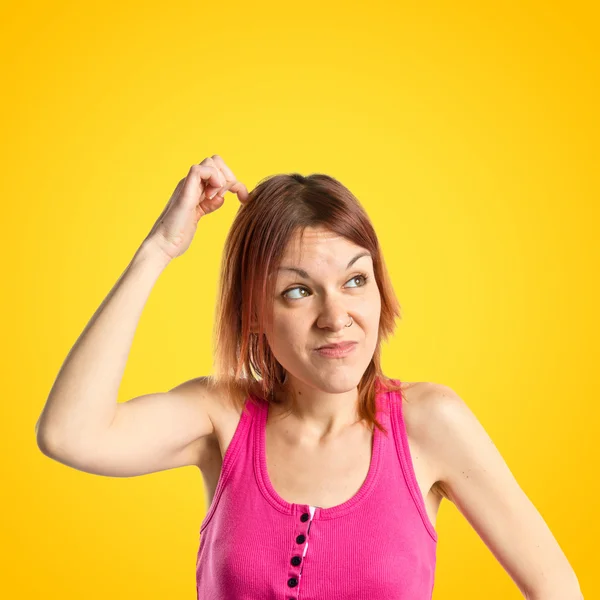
x,y
324,476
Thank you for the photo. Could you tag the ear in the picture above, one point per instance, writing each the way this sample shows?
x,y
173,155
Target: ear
x,y
253,322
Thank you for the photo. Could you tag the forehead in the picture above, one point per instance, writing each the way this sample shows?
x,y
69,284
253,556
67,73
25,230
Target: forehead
x,y
318,244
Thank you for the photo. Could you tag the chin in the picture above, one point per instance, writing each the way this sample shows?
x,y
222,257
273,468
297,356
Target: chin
x,y
340,383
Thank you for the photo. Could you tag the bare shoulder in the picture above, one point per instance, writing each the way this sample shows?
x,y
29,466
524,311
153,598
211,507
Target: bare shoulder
x,y
422,402
427,409
213,401
224,403
215,396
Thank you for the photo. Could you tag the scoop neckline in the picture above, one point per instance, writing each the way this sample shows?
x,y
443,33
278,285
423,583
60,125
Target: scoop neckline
x,y
266,487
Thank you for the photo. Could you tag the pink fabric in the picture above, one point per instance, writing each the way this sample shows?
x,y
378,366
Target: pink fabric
x,y
379,544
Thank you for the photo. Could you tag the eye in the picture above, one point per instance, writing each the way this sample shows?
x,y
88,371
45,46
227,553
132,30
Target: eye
x,y
359,276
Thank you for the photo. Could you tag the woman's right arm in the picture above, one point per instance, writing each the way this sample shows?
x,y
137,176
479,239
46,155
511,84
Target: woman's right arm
x,y
82,424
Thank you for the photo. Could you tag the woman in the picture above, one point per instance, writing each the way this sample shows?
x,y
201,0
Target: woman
x,y
324,476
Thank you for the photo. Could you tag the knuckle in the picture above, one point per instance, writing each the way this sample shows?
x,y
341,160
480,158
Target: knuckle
x,y
219,160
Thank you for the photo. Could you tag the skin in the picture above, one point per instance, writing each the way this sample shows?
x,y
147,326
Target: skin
x,y
325,389
467,466
160,431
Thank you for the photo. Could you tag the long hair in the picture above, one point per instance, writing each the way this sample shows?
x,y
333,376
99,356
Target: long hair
x,y
278,208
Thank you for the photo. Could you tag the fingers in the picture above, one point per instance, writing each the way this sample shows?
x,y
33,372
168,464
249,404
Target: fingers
x,y
220,163
202,178
240,189
214,177
217,179
231,182
229,177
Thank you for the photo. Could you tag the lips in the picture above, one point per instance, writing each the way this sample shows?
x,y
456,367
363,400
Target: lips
x,y
340,346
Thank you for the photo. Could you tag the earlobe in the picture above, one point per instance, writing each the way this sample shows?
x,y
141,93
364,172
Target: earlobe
x,y
253,325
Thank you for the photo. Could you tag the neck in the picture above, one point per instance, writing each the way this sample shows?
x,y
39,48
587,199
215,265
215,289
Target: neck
x,y
320,414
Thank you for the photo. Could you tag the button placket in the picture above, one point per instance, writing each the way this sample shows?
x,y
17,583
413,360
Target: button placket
x,y
298,556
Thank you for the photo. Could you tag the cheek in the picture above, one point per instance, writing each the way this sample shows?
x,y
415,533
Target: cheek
x,y
371,317
287,336
370,307
283,324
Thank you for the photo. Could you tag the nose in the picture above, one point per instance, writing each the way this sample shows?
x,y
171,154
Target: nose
x,y
334,317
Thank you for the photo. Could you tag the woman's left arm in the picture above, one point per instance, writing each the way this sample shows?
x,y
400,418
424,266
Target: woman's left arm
x,y
474,476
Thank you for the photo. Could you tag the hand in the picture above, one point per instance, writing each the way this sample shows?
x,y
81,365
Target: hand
x,y
201,192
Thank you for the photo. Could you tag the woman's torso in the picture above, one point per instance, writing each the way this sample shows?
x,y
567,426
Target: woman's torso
x,y
324,476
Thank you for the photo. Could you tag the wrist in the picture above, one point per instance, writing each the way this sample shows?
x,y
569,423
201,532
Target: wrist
x,y
150,251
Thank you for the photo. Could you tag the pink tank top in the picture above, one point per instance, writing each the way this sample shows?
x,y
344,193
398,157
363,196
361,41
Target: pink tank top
x,y
379,544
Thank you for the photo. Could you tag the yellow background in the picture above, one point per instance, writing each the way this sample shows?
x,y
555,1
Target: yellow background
x,y
469,133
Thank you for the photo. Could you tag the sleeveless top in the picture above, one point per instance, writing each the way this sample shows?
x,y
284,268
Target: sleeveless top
x,y
379,544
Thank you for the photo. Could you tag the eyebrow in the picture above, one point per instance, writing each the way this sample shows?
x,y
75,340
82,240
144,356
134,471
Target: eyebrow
x,y
304,274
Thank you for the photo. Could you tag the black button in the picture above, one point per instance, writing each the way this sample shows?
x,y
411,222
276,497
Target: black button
x,y
305,517
300,539
292,582
296,560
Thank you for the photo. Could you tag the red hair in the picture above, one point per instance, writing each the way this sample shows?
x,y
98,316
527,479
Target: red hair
x,y
278,208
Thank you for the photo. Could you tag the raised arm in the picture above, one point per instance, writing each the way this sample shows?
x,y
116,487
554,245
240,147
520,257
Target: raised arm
x,y
82,424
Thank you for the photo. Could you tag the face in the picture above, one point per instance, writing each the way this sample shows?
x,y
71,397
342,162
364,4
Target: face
x,y
313,311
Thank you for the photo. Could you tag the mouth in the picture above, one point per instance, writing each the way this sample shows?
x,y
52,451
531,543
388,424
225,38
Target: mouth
x,y
337,350
340,346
